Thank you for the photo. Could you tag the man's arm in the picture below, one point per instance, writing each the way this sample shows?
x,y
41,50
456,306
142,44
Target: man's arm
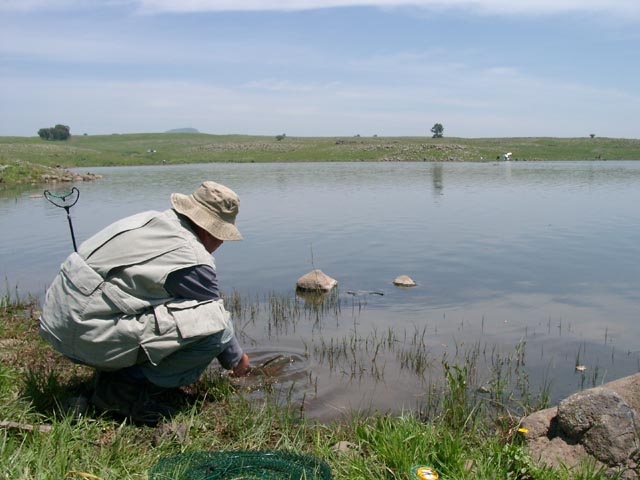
x,y
233,358
200,283
197,283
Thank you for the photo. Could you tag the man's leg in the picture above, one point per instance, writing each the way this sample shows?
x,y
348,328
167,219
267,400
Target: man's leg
x,y
186,365
129,391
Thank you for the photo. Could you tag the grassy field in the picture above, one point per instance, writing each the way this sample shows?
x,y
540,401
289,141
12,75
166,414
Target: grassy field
x,y
145,149
45,433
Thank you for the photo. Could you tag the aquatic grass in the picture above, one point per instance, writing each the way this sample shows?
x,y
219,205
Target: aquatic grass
x,y
354,355
501,379
283,311
414,352
458,410
6,300
506,387
495,379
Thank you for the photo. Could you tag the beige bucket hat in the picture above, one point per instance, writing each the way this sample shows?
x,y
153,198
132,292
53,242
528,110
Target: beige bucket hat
x,y
212,207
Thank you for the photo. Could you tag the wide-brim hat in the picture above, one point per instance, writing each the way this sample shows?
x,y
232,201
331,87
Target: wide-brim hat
x,y
212,207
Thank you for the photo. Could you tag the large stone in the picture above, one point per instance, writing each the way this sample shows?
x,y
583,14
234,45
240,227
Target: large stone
x,y
599,425
316,280
545,445
602,421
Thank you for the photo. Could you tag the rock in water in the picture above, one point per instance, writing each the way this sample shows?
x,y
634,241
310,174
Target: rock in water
x,y
404,281
316,280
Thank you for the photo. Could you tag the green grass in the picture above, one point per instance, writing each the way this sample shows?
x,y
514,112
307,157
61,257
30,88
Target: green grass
x,y
460,437
26,159
134,149
19,172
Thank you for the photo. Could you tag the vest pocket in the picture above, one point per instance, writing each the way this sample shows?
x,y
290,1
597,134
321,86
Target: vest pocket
x,y
125,302
193,318
81,275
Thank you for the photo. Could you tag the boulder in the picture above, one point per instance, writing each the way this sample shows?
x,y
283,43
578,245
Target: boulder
x,y
599,425
316,280
603,422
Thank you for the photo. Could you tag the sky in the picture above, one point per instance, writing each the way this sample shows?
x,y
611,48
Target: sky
x,y
481,68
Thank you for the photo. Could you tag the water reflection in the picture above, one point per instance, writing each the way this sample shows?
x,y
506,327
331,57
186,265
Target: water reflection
x,y
437,178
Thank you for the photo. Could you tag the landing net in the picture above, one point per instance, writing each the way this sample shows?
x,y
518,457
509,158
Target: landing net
x,y
240,465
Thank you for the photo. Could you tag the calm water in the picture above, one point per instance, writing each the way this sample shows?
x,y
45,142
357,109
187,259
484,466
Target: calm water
x,y
543,255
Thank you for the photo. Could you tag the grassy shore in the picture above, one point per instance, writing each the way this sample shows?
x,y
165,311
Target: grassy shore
x,y
158,148
45,433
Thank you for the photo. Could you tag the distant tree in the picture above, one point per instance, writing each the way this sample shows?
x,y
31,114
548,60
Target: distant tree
x,y
59,132
281,136
437,130
592,135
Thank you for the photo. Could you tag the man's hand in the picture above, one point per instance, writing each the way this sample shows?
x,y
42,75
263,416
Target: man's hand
x,y
243,367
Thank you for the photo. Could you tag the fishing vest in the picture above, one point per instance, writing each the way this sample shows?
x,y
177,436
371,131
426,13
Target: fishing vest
x,y
107,307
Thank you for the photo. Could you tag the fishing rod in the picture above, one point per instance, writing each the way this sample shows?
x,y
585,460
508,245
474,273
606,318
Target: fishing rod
x,y
66,201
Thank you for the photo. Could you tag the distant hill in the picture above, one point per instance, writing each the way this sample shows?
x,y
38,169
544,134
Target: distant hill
x,y
183,130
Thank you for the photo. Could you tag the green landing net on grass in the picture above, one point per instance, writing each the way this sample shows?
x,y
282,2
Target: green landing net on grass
x,y
240,465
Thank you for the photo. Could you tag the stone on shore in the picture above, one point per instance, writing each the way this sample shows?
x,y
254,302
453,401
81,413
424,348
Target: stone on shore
x,y
65,176
600,425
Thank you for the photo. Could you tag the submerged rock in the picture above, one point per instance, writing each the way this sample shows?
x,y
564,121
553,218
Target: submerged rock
x,y
316,280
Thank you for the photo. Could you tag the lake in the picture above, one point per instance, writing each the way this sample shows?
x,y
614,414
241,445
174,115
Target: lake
x,y
518,265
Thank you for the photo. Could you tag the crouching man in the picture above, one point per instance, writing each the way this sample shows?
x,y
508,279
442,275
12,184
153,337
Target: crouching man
x,y
139,302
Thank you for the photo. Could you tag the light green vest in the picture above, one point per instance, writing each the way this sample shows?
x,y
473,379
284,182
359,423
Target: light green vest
x,y
107,307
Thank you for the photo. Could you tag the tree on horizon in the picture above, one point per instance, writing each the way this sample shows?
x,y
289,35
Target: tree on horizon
x,y
59,132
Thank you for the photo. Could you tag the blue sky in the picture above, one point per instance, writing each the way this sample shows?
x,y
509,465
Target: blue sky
x,y
481,68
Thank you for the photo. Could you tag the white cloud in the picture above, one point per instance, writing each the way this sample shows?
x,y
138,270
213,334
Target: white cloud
x,y
59,5
97,45
288,86
621,8
626,9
